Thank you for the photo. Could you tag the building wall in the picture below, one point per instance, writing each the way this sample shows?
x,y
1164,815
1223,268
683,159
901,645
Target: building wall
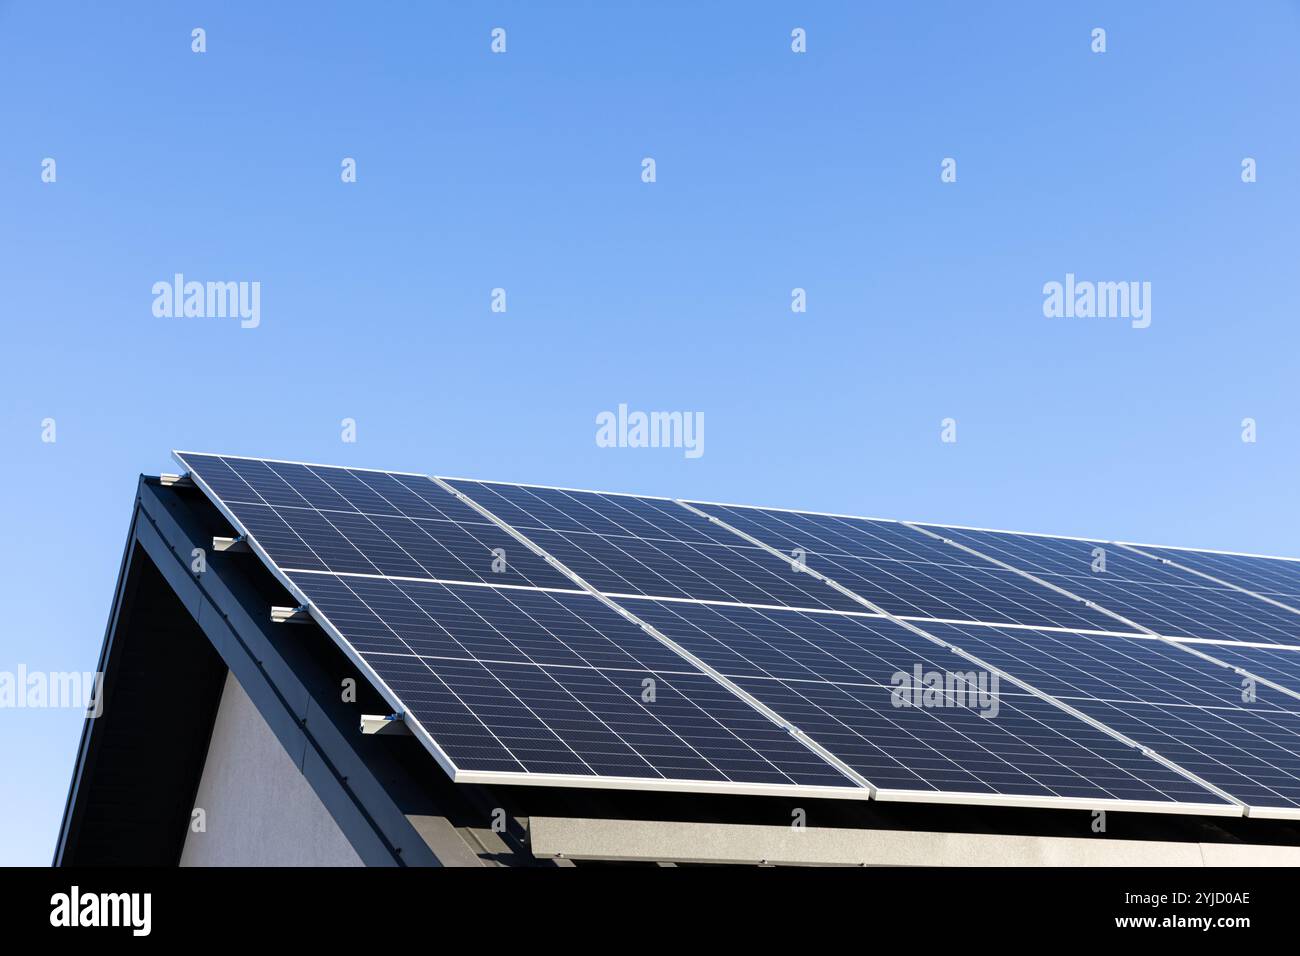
x,y
260,811
646,840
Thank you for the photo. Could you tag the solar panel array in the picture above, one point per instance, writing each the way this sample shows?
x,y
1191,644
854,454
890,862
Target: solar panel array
x,y
552,636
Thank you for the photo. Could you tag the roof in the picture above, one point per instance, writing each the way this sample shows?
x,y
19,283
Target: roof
x,y
173,634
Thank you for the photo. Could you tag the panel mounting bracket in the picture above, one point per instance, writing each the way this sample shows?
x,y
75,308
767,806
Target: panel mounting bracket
x,y
237,545
290,615
379,724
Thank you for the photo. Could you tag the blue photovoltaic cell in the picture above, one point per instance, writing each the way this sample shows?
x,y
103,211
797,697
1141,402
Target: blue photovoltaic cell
x,y
620,544
587,722
319,518
1278,664
520,625
526,681
531,508
1277,577
1189,710
1152,595
907,573
1143,669
1068,557
833,676
1253,755
869,538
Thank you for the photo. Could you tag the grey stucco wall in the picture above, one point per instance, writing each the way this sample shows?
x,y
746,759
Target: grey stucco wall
x,y
260,810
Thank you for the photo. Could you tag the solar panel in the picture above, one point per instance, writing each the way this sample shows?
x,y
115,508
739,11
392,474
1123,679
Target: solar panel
x,y
1277,577
551,636
1153,595
1242,738
1252,755
622,544
907,573
1111,667
1277,664
836,677
315,518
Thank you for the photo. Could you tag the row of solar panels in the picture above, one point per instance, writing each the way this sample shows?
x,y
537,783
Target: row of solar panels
x,y
551,636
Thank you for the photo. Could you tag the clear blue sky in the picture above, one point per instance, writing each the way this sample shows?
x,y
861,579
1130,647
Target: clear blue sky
x,y
523,171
